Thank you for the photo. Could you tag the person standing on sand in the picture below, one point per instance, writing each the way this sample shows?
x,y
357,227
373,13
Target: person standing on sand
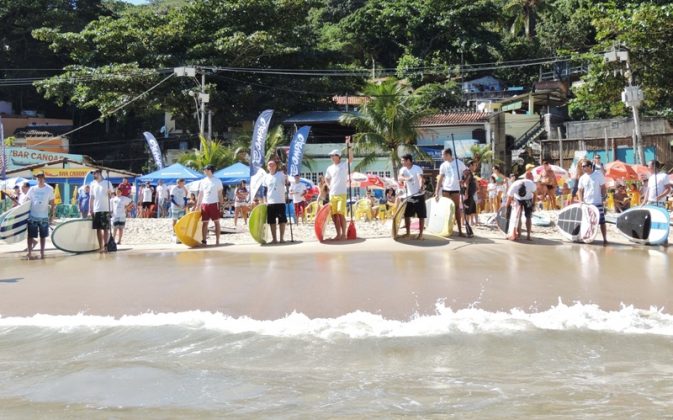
x,y
145,200
412,176
42,209
275,182
178,196
449,182
548,180
209,201
83,201
99,207
120,205
591,190
162,200
297,192
336,176
469,190
658,186
523,191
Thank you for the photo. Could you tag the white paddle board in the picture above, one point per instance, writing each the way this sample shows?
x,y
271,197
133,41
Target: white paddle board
x,y
14,223
578,222
648,225
75,236
440,216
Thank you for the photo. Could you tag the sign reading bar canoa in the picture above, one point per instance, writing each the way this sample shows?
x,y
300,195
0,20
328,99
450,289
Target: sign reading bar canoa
x,y
18,157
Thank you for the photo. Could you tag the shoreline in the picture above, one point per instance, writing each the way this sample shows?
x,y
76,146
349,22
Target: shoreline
x,y
395,279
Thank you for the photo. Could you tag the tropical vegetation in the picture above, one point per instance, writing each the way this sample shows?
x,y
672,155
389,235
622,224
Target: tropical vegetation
x,y
88,59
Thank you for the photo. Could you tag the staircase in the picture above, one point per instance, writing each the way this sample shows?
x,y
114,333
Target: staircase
x,y
531,134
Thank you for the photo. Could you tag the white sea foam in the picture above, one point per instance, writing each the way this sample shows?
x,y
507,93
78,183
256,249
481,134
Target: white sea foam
x,y
575,317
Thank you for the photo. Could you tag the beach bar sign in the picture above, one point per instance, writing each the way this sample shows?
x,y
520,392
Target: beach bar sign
x,y
18,157
64,173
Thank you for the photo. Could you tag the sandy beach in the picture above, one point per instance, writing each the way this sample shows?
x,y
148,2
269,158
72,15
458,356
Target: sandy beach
x,y
396,279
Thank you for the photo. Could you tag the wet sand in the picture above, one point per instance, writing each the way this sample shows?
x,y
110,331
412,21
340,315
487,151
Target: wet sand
x,y
381,276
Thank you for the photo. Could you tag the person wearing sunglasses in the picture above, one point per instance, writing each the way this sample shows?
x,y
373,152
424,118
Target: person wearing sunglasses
x,y
591,190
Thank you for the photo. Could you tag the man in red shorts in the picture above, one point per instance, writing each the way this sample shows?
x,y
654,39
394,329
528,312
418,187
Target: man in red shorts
x,y
209,201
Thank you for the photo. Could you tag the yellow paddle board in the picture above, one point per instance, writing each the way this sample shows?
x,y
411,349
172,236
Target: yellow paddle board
x,y
188,229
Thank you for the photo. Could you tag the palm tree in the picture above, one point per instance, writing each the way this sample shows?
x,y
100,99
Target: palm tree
x,y
211,152
525,14
385,124
482,153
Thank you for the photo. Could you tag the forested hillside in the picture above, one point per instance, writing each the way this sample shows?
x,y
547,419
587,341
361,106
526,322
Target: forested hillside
x,y
97,54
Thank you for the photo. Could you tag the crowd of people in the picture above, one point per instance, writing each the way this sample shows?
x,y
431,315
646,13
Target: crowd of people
x,y
109,206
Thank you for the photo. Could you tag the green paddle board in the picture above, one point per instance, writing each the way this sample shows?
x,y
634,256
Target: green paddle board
x,y
257,223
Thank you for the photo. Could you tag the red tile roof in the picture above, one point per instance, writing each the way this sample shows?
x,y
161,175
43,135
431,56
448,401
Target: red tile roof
x,y
454,118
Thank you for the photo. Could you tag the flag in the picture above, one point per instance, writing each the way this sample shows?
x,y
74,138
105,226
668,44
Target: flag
x,y
296,152
154,148
259,141
3,157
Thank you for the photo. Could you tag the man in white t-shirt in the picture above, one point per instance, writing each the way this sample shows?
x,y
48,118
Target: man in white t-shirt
x,y
336,177
42,209
209,201
591,190
658,186
522,192
178,196
145,203
275,182
119,206
100,191
448,184
412,176
163,202
297,191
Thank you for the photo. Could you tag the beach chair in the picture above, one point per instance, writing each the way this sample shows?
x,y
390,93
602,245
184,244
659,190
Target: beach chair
x,y
610,202
363,210
311,210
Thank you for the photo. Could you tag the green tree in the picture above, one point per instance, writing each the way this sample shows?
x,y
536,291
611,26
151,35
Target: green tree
x,y
210,152
386,124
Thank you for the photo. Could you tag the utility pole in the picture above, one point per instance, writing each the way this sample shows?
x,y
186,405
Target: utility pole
x,y
632,96
202,98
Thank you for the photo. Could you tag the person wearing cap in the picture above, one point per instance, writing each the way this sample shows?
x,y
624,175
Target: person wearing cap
x,y
209,201
42,209
522,192
658,186
450,173
146,201
274,198
336,176
529,172
100,191
412,176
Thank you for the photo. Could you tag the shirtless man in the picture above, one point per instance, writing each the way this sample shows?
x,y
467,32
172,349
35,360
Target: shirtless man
x,y
550,184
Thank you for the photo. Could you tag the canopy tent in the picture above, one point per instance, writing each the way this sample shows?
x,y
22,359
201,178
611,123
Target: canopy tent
x,y
171,174
233,174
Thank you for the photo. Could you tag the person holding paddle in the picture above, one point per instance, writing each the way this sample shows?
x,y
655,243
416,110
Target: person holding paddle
x,y
336,176
412,176
450,173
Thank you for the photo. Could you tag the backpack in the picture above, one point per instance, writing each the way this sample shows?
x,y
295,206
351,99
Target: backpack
x,y
111,245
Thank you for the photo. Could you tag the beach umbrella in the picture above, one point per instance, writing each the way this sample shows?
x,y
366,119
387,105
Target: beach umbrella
x,y
560,173
620,171
610,182
360,180
642,171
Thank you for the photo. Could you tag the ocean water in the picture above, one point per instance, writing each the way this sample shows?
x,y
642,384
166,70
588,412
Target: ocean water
x,y
569,360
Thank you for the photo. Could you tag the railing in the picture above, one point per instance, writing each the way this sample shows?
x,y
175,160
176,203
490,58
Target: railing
x,y
530,134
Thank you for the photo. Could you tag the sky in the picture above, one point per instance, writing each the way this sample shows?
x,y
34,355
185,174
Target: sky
x,y
136,1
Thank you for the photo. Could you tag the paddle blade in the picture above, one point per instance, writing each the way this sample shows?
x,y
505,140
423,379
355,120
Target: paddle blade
x,y
351,234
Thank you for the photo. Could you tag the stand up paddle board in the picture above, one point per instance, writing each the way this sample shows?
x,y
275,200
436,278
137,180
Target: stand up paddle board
x,y
257,223
508,219
321,219
188,229
647,225
14,223
578,222
398,218
76,236
441,215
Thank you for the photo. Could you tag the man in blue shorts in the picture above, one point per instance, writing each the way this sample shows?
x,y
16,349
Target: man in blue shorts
x,y
42,209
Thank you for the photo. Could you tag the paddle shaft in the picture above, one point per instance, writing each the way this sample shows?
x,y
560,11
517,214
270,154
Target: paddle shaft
x,y
468,229
351,233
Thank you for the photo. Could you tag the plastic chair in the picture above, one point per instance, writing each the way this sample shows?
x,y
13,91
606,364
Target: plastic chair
x,y
311,211
363,210
610,202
